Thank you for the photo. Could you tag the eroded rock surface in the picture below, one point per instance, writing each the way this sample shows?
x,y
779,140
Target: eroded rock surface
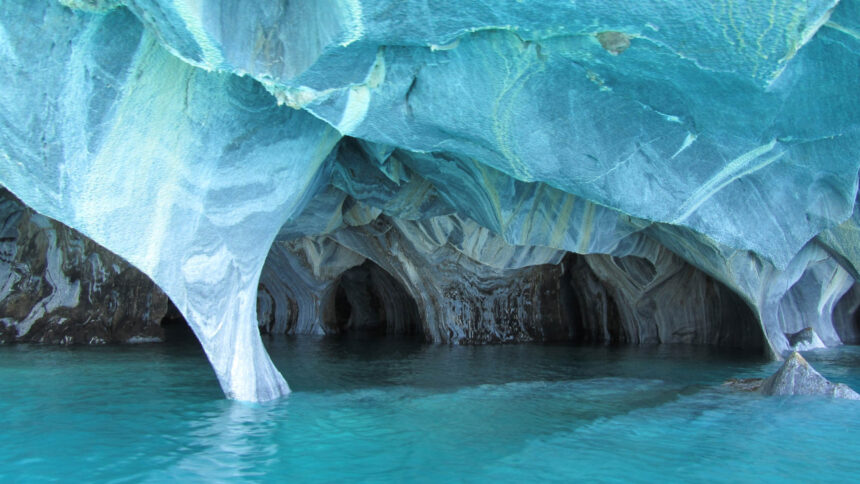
x,y
676,172
58,286
804,340
797,377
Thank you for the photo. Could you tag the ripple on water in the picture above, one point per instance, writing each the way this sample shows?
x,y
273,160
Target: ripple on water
x,y
395,410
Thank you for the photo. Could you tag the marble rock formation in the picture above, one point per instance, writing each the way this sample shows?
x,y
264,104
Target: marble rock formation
x,y
57,286
797,377
846,316
499,169
805,340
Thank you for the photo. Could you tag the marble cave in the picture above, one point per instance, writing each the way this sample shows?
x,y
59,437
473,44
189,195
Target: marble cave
x,y
483,173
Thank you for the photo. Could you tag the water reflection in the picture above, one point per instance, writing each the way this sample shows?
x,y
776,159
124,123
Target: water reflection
x,y
395,410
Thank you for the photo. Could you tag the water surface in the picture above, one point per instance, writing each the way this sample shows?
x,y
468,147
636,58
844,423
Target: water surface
x,y
394,410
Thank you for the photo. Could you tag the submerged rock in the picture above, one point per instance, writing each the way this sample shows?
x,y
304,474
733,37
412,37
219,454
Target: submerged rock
x,y
744,384
614,42
797,377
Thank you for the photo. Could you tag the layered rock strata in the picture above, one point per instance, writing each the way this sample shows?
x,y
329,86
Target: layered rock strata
x,y
59,287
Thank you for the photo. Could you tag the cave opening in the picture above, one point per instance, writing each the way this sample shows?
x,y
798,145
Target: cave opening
x,y
846,316
368,302
630,301
175,327
856,327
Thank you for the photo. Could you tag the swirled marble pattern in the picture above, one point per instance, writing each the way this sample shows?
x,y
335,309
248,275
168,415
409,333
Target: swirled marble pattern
x,y
461,148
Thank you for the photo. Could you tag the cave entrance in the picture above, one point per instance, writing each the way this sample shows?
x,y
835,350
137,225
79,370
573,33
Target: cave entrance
x,y
615,300
367,301
846,316
176,328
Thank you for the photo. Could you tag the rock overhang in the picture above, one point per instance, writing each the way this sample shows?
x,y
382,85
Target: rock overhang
x,y
726,133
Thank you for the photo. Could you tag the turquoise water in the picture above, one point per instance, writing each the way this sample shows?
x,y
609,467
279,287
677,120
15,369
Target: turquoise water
x,y
396,411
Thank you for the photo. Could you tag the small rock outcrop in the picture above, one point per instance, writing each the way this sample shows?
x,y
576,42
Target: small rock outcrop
x,y
797,377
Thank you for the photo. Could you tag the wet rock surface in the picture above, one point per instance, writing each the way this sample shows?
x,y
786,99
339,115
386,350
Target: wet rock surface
x,y
797,377
744,384
804,340
705,174
59,287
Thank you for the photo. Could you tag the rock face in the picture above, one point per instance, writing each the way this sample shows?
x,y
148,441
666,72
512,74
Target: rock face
x,y
804,340
675,172
846,316
797,377
57,286
446,296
